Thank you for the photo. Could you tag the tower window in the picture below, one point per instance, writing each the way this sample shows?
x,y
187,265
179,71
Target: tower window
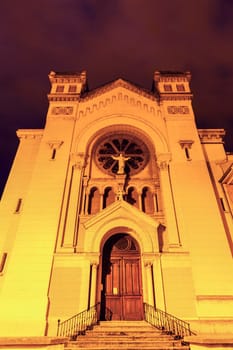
x,y
72,88
167,87
60,88
180,87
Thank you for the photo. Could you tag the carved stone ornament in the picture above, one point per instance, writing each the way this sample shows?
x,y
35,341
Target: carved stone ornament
x,y
94,265
186,143
178,110
62,110
163,160
78,160
148,264
55,144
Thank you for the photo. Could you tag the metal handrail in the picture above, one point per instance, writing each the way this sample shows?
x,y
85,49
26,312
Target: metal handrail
x,y
167,322
80,322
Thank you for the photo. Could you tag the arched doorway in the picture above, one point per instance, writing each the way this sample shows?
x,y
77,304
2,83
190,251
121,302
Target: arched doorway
x,y
121,279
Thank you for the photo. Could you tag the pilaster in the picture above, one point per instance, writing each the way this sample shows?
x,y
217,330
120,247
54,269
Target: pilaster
x,y
73,202
163,161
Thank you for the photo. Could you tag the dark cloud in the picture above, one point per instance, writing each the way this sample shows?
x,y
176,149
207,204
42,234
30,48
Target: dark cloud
x,y
222,17
110,39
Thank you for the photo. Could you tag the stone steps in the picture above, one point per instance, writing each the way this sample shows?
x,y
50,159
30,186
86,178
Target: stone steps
x,y
127,335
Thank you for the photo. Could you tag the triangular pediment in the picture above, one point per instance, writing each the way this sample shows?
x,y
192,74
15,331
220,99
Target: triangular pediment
x,y
116,84
121,209
121,215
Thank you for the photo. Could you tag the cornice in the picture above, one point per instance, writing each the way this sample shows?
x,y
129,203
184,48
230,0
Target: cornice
x,y
211,135
29,133
175,97
172,76
68,77
63,97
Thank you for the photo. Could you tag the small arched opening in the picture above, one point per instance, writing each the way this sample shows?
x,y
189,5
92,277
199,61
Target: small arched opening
x,y
147,201
94,201
109,197
133,197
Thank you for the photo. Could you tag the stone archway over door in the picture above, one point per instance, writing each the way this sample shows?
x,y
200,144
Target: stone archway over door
x,y
121,278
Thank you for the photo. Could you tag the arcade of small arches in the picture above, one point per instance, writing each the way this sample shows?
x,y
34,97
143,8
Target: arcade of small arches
x,y
145,200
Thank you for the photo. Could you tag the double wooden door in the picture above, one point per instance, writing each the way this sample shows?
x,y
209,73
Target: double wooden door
x,y
122,279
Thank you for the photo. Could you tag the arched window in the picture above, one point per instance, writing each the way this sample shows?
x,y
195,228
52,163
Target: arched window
x,y
132,197
94,201
109,197
147,201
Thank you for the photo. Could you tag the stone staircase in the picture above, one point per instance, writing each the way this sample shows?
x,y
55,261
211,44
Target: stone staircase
x,y
127,335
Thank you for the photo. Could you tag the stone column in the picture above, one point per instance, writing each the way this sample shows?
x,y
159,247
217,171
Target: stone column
x,y
85,198
155,202
150,292
168,201
73,202
101,199
94,267
140,200
159,200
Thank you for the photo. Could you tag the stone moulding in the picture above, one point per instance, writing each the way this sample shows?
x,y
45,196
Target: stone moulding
x,y
209,341
175,97
211,135
119,83
63,97
214,297
112,99
31,341
29,133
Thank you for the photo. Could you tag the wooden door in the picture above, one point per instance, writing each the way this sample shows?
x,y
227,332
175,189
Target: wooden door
x,y
122,279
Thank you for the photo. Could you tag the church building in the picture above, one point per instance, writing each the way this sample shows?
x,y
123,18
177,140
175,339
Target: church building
x,y
120,201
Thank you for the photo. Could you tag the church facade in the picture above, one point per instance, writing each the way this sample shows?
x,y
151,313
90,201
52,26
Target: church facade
x,y
119,201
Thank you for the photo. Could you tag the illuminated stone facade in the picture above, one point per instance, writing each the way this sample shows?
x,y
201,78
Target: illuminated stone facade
x,y
126,164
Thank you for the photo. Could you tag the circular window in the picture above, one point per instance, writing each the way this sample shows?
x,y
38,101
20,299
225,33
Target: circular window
x,y
121,154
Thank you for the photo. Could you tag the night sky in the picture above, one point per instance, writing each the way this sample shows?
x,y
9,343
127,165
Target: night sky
x,y
111,39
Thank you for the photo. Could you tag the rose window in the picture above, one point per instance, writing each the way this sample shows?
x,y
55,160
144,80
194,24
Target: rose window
x,y
121,154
